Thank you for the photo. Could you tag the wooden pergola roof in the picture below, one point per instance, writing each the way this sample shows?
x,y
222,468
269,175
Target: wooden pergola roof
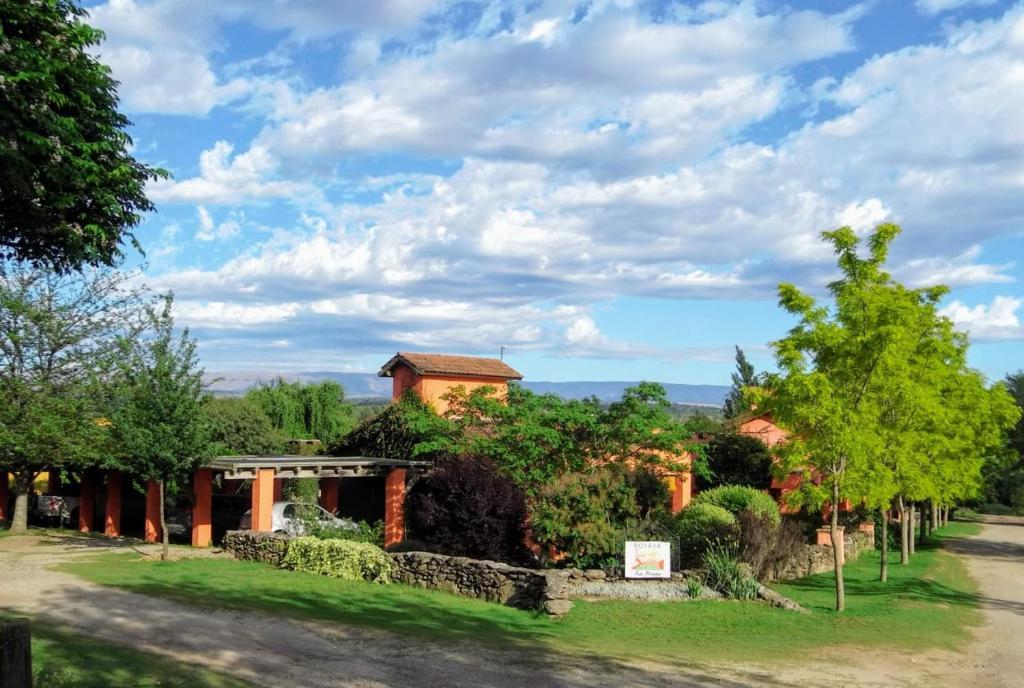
x,y
245,467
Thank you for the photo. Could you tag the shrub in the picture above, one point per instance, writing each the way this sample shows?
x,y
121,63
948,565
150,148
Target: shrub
x,y
652,493
582,515
372,533
694,587
738,498
343,559
726,575
763,544
466,507
700,527
735,459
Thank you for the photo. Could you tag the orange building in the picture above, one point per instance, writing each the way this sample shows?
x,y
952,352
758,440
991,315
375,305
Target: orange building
x,y
432,376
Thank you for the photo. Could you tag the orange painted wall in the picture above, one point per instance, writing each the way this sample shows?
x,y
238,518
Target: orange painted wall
x,y
202,510
431,388
394,506
763,429
152,527
112,520
263,500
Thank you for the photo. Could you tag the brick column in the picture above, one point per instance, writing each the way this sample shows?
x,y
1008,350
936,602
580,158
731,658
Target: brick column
x,y
202,510
152,529
329,488
87,500
112,519
5,495
394,507
263,500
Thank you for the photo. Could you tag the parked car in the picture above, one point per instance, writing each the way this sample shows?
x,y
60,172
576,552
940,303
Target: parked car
x,y
287,517
57,509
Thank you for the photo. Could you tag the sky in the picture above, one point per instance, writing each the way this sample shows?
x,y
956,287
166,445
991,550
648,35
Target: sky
x,y
612,189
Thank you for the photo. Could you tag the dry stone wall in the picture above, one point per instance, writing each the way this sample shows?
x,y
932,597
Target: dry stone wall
x,y
249,545
812,559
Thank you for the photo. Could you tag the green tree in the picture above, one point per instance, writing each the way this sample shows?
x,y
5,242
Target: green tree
x,y
70,192
743,378
735,459
159,428
240,427
58,338
305,411
407,429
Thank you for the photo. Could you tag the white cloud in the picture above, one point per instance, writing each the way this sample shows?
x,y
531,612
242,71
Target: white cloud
x,y
210,230
932,7
995,321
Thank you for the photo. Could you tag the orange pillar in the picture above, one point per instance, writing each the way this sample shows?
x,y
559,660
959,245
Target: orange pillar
x,y
202,510
278,489
676,495
152,530
5,494
86,501
394,507
112,520
263,499
53,482
329,493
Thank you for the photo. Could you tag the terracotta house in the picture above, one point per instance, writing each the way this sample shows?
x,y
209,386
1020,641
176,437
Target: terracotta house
x,y
763,427
432,376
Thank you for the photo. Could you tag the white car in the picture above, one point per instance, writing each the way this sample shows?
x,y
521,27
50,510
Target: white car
x,y
286,518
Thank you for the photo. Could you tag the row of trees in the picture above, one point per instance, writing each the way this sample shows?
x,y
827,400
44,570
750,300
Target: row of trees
x,y
878,397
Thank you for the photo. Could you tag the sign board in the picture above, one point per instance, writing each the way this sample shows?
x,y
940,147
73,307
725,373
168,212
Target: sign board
x,y
648,560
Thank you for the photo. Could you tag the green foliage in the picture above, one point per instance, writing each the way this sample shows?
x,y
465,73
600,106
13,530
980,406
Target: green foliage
x,y
240,427
70,192
301,490
344,559
305,411
738,498
694,586
735,459
725,574
371,533
406,429
736,401
581,514
652,495
700,527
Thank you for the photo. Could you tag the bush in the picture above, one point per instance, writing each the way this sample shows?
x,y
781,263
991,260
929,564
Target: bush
x,y
466,507
764,544
652,495
582,515
738,498
371,533
735,459
726,575
343,559
700,527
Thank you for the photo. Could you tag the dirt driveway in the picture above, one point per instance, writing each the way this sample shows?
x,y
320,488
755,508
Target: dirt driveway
x,y
270,651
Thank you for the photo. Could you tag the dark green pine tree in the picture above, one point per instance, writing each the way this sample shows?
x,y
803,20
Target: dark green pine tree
x,y
743,377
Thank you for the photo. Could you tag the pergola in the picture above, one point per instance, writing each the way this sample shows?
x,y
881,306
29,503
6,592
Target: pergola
x,y
266,474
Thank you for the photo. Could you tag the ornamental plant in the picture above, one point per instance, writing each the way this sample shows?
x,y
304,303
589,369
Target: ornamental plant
x,y
739,498
342,559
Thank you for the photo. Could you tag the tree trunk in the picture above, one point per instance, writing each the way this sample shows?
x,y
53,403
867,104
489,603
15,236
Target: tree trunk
x,y
945,516
913,529
837,551
904,532
163,525
935,517
883,574
926,522
22,490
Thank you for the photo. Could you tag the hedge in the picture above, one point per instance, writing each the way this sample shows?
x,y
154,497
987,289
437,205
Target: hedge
x,y
343,559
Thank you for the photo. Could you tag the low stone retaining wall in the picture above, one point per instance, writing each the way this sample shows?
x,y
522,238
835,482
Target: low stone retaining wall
x,y
249,545
492,581
813,559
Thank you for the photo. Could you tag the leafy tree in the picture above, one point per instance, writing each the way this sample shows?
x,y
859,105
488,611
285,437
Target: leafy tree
x,y
239,426
735,459
744,377
406,429
58,338
159,428
303,411
70,192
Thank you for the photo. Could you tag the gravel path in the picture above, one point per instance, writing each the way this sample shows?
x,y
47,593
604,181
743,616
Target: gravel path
x,y
270,651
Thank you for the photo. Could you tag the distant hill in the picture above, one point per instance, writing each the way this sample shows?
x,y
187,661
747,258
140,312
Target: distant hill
x,y
369,386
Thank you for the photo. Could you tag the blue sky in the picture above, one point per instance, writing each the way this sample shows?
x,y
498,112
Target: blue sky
x,y
610,189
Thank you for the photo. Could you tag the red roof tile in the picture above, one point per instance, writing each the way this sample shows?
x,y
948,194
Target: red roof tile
x,y
445,364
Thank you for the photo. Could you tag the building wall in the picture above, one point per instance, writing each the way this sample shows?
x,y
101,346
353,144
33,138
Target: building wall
x,y
431,388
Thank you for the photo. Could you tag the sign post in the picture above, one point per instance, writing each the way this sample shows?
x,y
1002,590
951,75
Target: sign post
x,y
648,560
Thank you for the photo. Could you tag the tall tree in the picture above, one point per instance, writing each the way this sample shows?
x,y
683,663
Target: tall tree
x,y
58,338
743,378
239,426
70,191
159,428
306,411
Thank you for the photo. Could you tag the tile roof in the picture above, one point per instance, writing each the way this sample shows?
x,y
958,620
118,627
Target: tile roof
x,y
445,364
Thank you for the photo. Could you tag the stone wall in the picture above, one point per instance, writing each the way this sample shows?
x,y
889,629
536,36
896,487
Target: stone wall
x,y
492,581
813,559
249,545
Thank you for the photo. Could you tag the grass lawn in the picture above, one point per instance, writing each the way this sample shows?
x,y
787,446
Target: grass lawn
x,y
63,659
929,603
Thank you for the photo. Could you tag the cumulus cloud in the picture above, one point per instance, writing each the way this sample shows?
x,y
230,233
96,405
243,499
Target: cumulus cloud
x,y
994,321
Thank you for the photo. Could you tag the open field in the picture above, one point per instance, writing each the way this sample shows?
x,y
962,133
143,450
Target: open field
x,y
929,604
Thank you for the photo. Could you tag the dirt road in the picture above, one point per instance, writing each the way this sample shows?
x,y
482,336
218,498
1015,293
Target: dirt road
x,y
270,651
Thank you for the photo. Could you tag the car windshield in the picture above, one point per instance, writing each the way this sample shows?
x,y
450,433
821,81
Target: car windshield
x,y
289,511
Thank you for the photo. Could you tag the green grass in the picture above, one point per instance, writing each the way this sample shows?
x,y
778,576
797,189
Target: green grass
x,y
930,603
63,659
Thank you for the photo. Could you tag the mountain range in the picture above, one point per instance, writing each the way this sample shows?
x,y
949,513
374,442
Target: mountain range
x,y
369,386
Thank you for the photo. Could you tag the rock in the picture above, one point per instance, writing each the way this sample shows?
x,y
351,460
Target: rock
x,y
558,607
777,600
594,574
